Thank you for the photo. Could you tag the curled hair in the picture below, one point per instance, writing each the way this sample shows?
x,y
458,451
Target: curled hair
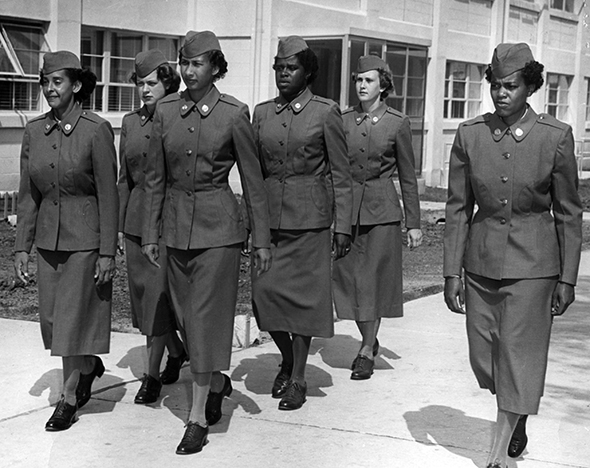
x,y
86,78
167,75
216,59
532,74
385,82
309,61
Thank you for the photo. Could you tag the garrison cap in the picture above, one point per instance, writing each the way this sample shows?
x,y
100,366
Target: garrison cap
x,y
146,62
290,46
197,43
53,61
509,58
370,62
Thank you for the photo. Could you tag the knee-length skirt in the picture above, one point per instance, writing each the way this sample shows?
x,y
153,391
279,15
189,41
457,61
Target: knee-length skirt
x,y
368,281
75,315
203,290
151,311
508,329
295,294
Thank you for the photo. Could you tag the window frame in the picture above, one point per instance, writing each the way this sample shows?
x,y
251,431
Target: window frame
x,y
553,107
449,100
23,86
110,96
567,6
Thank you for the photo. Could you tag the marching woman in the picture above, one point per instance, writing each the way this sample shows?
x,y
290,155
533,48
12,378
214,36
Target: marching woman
x,y
368,281
302,149
196,138
520,251
68,207
148,286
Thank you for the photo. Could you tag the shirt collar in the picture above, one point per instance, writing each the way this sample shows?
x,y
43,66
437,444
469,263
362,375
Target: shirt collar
x,y
204,106
296,105
519,130
374,116
144,116
67,124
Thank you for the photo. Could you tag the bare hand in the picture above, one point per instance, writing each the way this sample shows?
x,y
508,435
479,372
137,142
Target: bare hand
x,y
563,295
414,238
152,253
262,260
341,244
455,295
104,270
21,266
121,243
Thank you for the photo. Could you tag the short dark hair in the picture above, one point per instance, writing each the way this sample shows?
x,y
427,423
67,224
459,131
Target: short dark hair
x,y
216,59
532,74
86,78
167,75
309,61
385,81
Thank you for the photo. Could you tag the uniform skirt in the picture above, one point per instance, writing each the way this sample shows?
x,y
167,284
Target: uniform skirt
x,y
295,295
203,290
368,281
75,315
508,329
148,290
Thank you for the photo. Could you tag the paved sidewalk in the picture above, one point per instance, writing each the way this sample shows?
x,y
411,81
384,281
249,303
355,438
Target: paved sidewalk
x,y
422,408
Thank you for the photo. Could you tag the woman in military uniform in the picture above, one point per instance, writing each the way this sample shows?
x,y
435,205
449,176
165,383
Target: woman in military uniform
x,y
148,286
196,138
368,281
302,150
68,208
520,251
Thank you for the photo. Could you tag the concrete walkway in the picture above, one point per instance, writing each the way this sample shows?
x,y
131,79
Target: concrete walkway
x,y
422,408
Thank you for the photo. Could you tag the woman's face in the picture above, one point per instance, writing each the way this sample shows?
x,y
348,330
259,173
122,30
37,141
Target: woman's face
x,y
150,89
59,91
367,86
197,73
510,95
290,77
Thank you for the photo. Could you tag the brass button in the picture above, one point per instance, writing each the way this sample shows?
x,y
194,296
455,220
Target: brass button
x,y
188,172
55,202
506,155
504,202
189,152
504,179
502,221
191,129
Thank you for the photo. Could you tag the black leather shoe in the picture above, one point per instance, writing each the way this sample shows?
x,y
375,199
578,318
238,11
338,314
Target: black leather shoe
x,y
519,438
84,388
214,400
149,392
294,396
194,439
63,417
279,387
363,368
495,465
375,352
172,370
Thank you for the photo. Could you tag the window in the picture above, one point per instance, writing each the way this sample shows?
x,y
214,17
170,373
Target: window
x,y
408,66
563,5
557,95
21,49
587,99
111,55
463,90
328,81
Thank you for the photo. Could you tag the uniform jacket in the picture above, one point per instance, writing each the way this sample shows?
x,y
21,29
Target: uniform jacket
x,y
192,148
378,144
302,149
133,151
524,181
68,187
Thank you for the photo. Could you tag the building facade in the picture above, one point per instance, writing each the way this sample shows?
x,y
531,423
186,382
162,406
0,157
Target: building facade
x,y
437,49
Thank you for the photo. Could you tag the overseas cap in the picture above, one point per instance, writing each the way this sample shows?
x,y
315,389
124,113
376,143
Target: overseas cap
x,y
370,62
53,61
509,58
146,62
290,46
197,43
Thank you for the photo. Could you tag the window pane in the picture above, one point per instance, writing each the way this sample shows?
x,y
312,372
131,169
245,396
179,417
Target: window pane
x,y
125,46
121,99
396,59
558,4
552,110
396,103
121,70
458,89
414,107
5,63
417,63
27,43
415,87
474,90
398,85
167,46
19,95
458,109
94,102
475,72
329,53
473,109
446,109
